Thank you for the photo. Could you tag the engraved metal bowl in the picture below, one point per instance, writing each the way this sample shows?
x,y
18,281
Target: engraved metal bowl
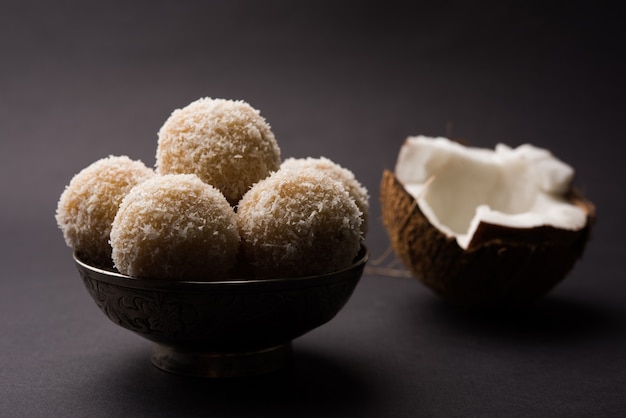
x,y
223,328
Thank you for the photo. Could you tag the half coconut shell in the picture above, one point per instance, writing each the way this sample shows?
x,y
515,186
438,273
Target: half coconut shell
x,y
501,267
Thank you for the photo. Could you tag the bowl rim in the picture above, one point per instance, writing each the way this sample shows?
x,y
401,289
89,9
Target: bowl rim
x,y
114,277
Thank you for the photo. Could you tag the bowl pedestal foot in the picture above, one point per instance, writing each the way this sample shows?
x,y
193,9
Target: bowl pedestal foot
x,y
189,362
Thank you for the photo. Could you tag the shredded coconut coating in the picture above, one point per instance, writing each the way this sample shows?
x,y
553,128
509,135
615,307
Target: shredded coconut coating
x,y
88,204
175,227
346,177
298,224
226,143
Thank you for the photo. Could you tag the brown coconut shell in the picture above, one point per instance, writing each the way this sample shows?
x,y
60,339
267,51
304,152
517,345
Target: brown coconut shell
x,y
501,267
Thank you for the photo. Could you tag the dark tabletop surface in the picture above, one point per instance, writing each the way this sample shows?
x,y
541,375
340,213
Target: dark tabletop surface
x,y
350,81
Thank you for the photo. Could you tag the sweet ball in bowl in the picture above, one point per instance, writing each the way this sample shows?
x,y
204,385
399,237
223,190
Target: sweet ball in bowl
x,y
227,143
89,203
175,227
298,223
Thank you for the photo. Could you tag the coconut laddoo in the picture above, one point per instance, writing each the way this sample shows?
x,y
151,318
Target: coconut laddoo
x,y
226,143
175,227
88,204
298,224
336,172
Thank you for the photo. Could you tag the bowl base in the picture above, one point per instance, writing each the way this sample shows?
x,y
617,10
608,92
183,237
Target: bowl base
x,y
220,364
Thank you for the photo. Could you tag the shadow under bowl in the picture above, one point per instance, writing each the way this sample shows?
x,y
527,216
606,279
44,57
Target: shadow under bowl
x,y
223,328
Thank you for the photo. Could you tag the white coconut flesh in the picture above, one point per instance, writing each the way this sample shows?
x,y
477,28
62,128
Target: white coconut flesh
x,y
457,187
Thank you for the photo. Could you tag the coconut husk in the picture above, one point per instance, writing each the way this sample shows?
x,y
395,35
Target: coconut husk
x,y
502,266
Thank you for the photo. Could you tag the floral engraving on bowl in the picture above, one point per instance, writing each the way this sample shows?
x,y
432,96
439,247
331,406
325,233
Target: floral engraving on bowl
x,y
142,311
220,317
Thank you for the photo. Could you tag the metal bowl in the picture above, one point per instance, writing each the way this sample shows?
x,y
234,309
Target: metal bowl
x,y
223,328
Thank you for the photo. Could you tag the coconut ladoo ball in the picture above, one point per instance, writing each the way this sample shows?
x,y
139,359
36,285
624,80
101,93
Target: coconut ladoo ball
x,y
226,143
296,224
484,228
337,172
175,227
88,205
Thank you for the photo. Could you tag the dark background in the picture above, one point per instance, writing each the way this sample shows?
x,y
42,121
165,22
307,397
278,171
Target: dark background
x,y
350,81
